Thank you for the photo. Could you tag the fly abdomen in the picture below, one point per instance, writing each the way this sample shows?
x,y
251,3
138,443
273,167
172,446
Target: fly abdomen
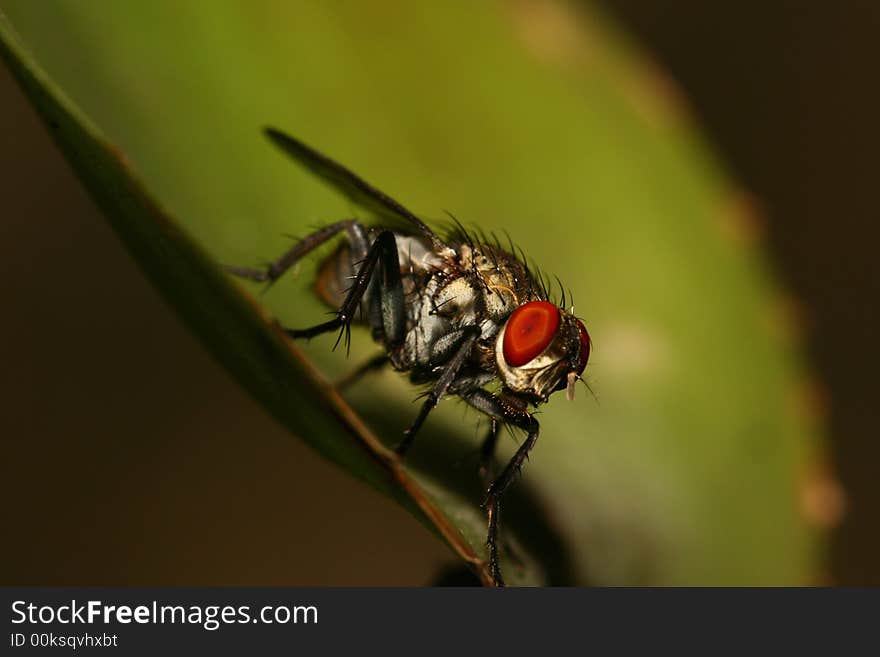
x,y
335,274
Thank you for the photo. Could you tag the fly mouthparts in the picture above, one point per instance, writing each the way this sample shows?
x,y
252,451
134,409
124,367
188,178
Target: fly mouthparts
x,y
569,390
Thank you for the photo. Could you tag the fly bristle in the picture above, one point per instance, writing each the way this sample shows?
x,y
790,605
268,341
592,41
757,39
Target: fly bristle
x,y
457,232
545,294
475,237
560,302
588,387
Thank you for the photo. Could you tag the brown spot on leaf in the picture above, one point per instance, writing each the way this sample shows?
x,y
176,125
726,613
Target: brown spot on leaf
x,y
821,579
740,220
552,30
559,34
655,95
822,498
809,400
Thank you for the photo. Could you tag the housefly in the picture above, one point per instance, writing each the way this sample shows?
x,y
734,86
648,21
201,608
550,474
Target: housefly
x,y
460,314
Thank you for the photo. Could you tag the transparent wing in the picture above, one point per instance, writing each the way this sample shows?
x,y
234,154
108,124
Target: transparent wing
x,y
355,188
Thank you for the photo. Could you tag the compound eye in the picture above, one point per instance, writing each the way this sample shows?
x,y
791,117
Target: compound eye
x,y
530,328
584,354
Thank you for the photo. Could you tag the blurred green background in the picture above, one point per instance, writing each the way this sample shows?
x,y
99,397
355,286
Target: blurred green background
x,y
130,457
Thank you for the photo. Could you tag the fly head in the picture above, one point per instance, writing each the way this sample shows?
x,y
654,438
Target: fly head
x,y
541,349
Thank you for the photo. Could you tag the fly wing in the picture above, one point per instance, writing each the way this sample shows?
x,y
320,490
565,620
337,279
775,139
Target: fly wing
x,y
354,187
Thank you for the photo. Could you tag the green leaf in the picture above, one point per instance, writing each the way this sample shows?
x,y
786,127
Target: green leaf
x,y
529,117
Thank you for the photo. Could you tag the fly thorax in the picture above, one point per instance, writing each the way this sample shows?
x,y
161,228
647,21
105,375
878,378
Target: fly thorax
x,y
496,275
457,301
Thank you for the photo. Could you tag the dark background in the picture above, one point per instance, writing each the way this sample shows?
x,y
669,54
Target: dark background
x,y
788,93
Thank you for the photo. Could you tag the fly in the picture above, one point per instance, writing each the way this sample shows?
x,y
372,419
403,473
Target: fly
x,y
465,316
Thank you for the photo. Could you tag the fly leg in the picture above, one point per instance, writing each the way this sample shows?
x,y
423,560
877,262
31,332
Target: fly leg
x,y
498,408
384,251
468,339
290,257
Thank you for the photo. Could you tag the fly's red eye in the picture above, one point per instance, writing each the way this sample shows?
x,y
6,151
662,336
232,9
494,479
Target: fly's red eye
x,y
584,354
529,330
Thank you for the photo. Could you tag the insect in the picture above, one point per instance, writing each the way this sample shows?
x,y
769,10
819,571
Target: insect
x,y
465,317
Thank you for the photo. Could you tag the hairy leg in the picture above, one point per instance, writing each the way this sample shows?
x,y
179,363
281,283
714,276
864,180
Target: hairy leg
x,y
500,409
